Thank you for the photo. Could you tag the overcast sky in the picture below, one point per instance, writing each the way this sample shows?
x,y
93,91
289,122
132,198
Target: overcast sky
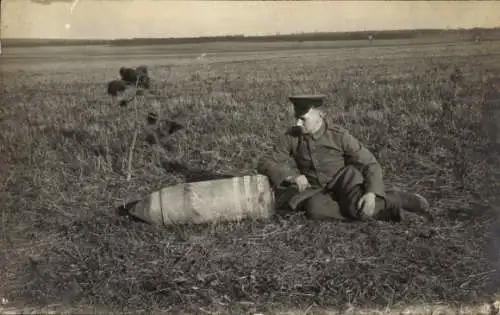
x,y
151,18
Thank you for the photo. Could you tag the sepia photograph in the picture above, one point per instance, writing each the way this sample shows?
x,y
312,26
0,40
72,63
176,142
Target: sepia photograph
x,y
249,157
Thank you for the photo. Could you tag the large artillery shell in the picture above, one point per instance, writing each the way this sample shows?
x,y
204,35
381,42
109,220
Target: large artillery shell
x,y
214,200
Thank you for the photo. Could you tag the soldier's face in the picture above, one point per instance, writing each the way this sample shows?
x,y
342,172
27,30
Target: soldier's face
x,y
310,121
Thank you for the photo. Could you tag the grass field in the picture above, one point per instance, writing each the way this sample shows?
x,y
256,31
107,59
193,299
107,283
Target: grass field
x,y
62,241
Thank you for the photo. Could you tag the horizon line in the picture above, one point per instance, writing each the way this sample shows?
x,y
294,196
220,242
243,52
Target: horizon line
x,y
259,36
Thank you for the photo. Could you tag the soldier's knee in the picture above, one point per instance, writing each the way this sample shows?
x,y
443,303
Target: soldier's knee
x,y
322,207
352,168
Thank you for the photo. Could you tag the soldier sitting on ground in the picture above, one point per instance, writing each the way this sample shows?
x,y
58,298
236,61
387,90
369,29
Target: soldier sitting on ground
x,y
334,175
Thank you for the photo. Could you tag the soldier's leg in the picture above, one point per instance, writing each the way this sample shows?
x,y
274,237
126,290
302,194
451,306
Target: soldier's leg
x,y
321,206
386,209
348,189
390,208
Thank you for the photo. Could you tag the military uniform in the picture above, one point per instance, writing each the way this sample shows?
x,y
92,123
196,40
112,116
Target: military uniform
x,y
338,167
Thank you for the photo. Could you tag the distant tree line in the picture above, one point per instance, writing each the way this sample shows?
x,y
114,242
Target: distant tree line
x,y
476,35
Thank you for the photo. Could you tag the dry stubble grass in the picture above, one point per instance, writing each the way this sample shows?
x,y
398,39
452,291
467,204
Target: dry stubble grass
x,y
62,241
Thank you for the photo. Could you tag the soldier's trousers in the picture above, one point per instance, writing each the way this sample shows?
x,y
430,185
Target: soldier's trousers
x,y
341,200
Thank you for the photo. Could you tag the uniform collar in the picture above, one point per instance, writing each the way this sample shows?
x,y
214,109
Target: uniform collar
x,y
320,132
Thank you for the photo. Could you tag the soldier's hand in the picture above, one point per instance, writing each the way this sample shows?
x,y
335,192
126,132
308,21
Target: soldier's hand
x,y
367,204
301,182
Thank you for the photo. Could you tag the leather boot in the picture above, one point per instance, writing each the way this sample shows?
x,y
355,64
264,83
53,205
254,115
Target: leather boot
x,y
413,203
389,209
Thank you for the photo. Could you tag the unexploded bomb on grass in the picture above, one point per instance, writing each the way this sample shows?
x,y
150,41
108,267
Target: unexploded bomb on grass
x,y
248,196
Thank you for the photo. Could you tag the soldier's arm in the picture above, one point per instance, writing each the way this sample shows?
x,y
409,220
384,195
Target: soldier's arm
x,y
355,153
280,165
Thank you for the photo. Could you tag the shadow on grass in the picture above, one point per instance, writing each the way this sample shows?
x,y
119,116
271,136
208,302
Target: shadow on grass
x,y
474,213
193,174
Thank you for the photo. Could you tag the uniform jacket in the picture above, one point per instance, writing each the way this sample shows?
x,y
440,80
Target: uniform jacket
x,y
320,157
